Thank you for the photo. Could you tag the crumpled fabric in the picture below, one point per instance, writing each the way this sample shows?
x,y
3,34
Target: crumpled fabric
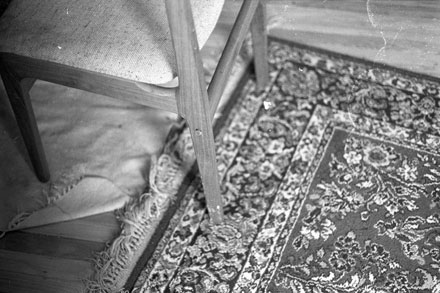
x,y
98,149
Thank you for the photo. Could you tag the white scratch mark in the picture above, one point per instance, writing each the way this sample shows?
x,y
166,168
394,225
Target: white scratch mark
x,y
381,53
267,105
370,15
59,47
67,12
395,36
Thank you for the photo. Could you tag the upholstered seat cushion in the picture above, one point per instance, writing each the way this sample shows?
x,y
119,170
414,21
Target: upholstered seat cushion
x,y
125,38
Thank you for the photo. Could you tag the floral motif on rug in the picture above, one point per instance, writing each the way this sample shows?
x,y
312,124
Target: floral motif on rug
x,y
330,183
370,215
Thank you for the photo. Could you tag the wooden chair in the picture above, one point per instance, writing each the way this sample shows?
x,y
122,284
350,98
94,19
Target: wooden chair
x,y
24,58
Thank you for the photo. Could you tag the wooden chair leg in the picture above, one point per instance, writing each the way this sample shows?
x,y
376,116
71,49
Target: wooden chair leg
x,y
193,102
204,147
18,93
259,44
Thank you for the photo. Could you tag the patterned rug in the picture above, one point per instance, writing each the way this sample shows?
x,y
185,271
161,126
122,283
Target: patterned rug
x,y
331,183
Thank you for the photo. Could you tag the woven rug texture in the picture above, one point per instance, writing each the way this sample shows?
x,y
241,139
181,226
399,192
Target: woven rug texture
x,y
330,181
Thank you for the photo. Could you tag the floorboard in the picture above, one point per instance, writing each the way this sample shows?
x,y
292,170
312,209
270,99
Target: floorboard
x,y
52,246
13,282
97,228
45,266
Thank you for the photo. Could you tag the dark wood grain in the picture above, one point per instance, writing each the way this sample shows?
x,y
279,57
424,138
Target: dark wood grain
x,y
44,266
18,282
97,228
52,246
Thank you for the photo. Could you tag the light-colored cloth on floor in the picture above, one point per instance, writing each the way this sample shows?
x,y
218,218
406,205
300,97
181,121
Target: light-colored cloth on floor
x,y
98,149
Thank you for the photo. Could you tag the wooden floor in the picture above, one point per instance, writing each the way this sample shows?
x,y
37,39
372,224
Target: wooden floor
x,y
401,33
54,258
406,34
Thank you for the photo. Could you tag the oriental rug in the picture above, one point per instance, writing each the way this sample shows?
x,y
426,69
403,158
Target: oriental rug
x,y
331,183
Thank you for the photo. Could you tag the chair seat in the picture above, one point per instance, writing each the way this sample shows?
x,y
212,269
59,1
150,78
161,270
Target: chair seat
x,y
125,38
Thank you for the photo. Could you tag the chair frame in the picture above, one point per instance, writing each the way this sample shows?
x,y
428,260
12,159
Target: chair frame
x,y
192,100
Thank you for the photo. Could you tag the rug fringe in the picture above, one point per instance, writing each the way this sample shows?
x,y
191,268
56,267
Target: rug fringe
x,y
137,216
108,263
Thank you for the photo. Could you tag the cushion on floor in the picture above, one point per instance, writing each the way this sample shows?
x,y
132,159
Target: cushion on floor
x,y
126,38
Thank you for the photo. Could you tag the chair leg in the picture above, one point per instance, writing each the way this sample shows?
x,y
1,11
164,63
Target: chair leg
x,y
193,102
204,148
18,93
259,44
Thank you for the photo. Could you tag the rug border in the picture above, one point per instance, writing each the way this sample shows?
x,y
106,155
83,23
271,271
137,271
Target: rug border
x,y
365,61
